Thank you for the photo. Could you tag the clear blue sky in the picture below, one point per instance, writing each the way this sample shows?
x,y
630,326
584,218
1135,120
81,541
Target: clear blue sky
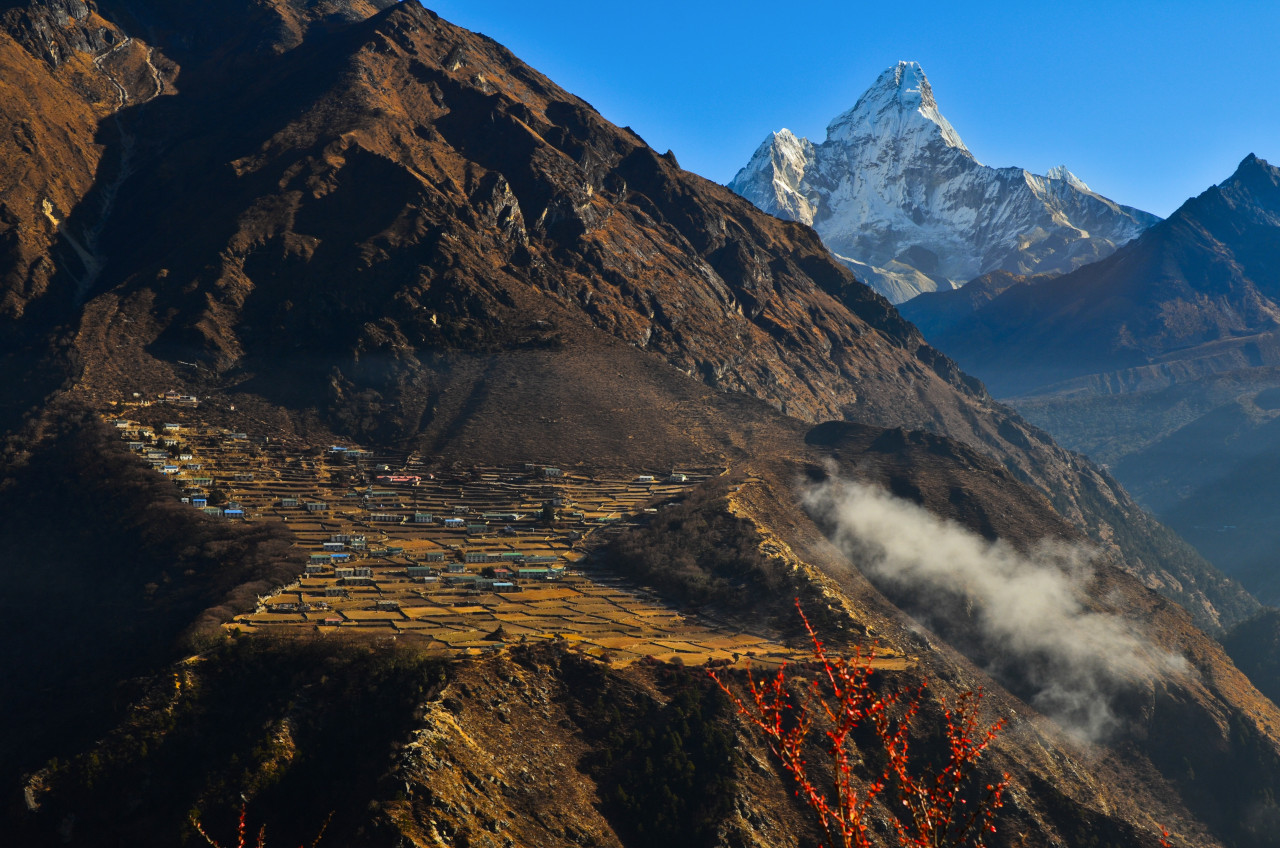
x,y
1148,102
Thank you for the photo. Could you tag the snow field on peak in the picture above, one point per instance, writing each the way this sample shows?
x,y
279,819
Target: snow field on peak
x,y
892,188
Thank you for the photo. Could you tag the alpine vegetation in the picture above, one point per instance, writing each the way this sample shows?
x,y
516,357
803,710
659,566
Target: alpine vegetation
x,y
1025,616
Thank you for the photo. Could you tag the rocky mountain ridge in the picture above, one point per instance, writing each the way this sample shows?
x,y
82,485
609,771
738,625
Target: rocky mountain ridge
x,y
1197,288
894,192
1160,360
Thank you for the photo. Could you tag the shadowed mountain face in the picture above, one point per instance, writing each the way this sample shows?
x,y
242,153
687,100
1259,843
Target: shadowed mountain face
x,y
401,212
1194,295
1161,361
72,76
415,191
389,229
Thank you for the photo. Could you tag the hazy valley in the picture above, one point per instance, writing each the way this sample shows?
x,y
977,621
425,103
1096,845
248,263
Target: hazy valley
x,y
1157,361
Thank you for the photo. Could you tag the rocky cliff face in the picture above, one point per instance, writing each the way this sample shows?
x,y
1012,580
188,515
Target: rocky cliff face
x,y
73,75
895,193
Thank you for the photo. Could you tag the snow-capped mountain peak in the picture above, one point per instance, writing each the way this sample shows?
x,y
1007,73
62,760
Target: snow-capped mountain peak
x,y
1061,173
786,158
900,102
896,195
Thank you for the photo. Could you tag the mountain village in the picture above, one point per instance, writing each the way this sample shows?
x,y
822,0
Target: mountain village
x,y
464,560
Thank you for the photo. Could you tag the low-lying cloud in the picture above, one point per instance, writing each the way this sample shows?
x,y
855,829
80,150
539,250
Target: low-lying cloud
x,y
1027,610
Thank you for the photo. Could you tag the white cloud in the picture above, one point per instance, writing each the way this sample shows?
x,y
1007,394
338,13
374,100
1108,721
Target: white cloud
x,y
1030,609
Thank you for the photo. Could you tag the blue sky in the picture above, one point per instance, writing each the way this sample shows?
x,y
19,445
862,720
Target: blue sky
x,y
1148,102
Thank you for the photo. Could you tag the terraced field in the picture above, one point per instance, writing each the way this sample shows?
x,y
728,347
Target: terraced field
x,y
465,560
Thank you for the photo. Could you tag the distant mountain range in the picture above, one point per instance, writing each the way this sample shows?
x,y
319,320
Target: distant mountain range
x,y
897,196
1162,360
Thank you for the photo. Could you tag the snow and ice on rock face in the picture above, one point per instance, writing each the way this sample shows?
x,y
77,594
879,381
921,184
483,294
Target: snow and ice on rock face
x,y
897,196
1061,173
784,158
899,105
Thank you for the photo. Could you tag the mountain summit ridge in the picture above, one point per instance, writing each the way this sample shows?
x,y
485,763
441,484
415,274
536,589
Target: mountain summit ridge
x,y
894,192
900,99
1195,285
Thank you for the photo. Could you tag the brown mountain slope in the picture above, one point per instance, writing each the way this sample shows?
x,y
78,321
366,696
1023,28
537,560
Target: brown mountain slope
x,y
403,234
49,159
402,194
64,70
309,728
1195,295
71,75
1160,361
